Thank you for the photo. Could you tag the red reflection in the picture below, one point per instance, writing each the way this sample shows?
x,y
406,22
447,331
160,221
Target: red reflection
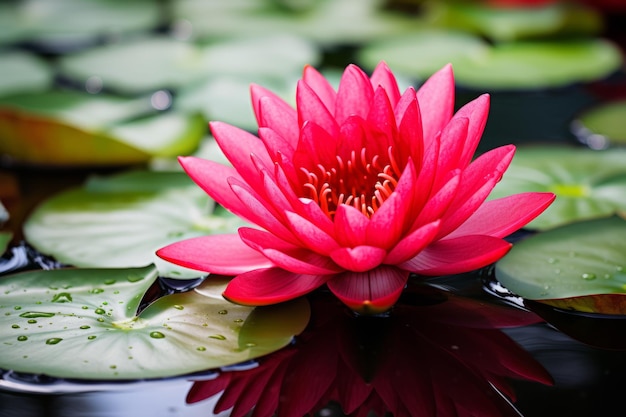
x,y
437,354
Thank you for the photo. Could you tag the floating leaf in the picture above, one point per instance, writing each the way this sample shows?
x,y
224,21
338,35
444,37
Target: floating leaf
x,y
588,184
150,64
62,25
21,72
120,221
73,323
512,23
5,239
602,125
539,64
71,128
579,266
505,66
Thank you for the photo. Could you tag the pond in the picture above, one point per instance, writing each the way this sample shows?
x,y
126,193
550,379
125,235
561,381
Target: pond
x,y
93,116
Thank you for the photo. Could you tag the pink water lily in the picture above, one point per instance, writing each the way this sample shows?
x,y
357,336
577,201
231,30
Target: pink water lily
x,y
355,189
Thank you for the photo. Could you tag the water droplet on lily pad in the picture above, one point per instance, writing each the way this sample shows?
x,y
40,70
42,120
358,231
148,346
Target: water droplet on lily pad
x,y
62,297
32,321
201,348
96,291
91,337
53,341
85,327
36,314
178,307
218,337
110,282
588,277
22,338
157,335
222,312
99,311
134,278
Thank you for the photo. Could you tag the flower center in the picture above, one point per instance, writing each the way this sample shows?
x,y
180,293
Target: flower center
x,y
362,182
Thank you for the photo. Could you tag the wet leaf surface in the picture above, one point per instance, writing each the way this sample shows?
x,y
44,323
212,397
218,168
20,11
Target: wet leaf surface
x,y
83,323
579,266
120,220
588,184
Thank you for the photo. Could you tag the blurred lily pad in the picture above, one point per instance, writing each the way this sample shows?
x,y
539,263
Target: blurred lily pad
x,y
527,65
23,72
85,324
5,239
119,221
603,125
150,64
69,128
579,266
514,23
62,25
588,184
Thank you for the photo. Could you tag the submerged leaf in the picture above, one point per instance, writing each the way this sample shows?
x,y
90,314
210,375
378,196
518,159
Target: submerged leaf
x,y
579,266
588,184
83,323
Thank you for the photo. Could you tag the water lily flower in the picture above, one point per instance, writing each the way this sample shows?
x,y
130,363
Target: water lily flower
x,y
355,189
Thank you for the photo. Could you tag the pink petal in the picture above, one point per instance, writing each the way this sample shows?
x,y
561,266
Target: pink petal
x,y
311,235
280,117
458,255
271,286
358,258
452,142
373,291
476,111
503,216
237,146
354,95
316,147
391,220
260,212
311,108
412,244
381,116
314,213
436,102
274,144
477,181
410,140
437,205
218,254
213,179
321,87
382,76
350,226
257,92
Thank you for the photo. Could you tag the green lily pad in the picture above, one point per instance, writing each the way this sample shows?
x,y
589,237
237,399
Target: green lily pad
x,y
602,125
155,63
84,323
422,53
69,24
588,184
5,239
580,266
539,64
525,65
71,128
120,221
514,23
23,72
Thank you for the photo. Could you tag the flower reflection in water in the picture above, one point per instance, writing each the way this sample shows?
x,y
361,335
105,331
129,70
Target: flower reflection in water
x,y
436,354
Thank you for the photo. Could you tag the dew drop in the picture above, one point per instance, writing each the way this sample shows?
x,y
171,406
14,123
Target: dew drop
x,y
100,319
113,366
238,320
134,278
62,297
15,326
35,314
85,307
96,291
17,308
218,337
91,337
99,311
250,344
222,312
110,282
32,321
588,277
178,307
85,327
105,303
53,341
22,338
201,348
157,335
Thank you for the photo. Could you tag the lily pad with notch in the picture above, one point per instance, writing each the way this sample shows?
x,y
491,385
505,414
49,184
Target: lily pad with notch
x,y
588,184
85,324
